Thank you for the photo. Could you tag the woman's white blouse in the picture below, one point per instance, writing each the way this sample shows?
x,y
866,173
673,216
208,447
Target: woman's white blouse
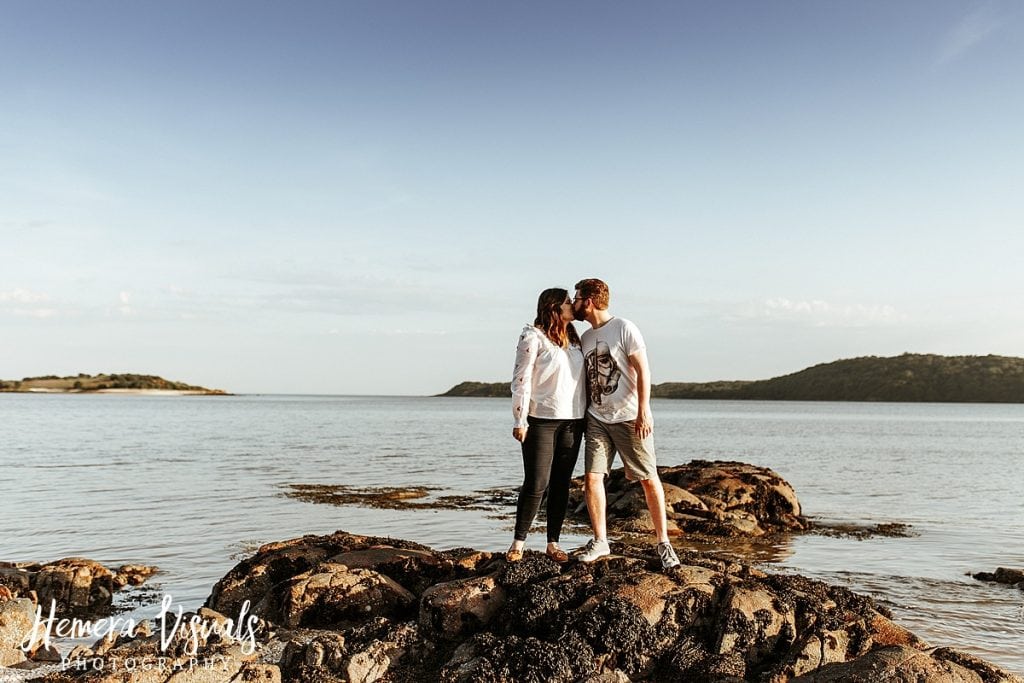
x,y
547,380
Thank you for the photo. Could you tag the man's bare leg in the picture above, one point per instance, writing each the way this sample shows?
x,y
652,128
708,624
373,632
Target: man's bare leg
x,y
654,492
593,488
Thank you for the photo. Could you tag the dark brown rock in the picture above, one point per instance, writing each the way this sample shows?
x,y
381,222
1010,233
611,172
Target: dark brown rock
x,y
273,563
716,498
1011,577
77,586
332,594
453,610
16,578
133,575
894,664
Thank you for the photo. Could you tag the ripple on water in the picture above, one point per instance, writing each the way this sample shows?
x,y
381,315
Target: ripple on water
x,y
181,483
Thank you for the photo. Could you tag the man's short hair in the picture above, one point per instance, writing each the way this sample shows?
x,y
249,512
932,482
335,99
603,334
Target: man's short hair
x,y
595,290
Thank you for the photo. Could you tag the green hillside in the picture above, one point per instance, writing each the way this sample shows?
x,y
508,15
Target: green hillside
x,y
480,389
907,378
910,377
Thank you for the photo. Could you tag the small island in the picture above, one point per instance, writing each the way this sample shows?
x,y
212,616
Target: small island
x,y
911,377
106,384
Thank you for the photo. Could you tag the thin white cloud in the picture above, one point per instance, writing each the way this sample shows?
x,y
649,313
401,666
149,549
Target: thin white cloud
x,y
818,313
25,303
22,296
125,307
402,332
969,32
34,312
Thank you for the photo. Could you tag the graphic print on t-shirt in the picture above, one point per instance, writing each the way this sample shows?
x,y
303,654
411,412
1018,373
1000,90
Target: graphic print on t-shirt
x,y
603,374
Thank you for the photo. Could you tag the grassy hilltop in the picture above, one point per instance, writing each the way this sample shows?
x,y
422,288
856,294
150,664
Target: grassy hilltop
x,y
94,383
907,378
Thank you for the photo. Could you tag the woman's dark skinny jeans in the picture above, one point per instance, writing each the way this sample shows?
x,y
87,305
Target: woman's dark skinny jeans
x,y
549,457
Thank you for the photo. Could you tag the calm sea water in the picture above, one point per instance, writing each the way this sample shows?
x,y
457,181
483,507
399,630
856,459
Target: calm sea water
x,y
191,484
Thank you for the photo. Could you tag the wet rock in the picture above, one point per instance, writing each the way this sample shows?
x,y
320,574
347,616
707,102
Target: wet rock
x,y
1011,577
717,498
861,532
467,560
376,660
649,594
897,664
754,623
254,578
17,578
17,617
977,665
77,586
47,653
133,575
258,673
332,594
80,652
414,569
514,658
369,653
884,632
458,608
642,523
816,650
324,654
399,498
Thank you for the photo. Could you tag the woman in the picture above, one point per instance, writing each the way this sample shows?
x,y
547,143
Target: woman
x,y
548,404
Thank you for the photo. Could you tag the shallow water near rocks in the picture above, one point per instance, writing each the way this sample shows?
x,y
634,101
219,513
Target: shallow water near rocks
x,y
192,484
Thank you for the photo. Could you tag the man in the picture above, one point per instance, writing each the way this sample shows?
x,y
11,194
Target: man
x,y
618,416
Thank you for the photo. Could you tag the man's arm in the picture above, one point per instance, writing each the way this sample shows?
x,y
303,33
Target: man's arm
x,y
644,421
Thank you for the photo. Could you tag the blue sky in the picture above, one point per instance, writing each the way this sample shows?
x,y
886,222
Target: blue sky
x,y
367,197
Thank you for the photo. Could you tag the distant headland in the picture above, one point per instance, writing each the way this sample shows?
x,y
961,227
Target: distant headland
x,y
106,384
910,377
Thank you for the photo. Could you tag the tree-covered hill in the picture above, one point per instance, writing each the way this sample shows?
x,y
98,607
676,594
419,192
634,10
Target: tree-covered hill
x,y
480,389
906,378
910,377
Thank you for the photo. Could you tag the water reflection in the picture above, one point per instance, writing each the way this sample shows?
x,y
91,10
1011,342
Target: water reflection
x,y
746,550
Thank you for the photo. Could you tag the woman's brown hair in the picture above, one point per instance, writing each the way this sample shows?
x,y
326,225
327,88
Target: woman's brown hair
x,y
549,318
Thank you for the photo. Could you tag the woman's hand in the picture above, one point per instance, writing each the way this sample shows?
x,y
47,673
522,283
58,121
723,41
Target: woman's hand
x,y
519,434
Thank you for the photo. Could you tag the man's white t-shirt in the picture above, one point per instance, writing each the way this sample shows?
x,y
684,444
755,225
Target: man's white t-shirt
x,y
611,380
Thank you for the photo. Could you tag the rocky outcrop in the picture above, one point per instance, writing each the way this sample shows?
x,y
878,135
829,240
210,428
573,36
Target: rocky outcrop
x,y
76,586
716,498
354,608
901,663
1010,577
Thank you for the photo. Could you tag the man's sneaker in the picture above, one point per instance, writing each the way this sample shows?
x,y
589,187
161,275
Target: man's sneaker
x,y
595,549
667,555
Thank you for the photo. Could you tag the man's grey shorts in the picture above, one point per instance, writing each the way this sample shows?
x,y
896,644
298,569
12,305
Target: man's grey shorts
x,y
604,440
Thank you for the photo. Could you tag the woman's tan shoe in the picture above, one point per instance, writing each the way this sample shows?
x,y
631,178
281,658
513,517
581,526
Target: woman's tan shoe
x,y
513,555
558,555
